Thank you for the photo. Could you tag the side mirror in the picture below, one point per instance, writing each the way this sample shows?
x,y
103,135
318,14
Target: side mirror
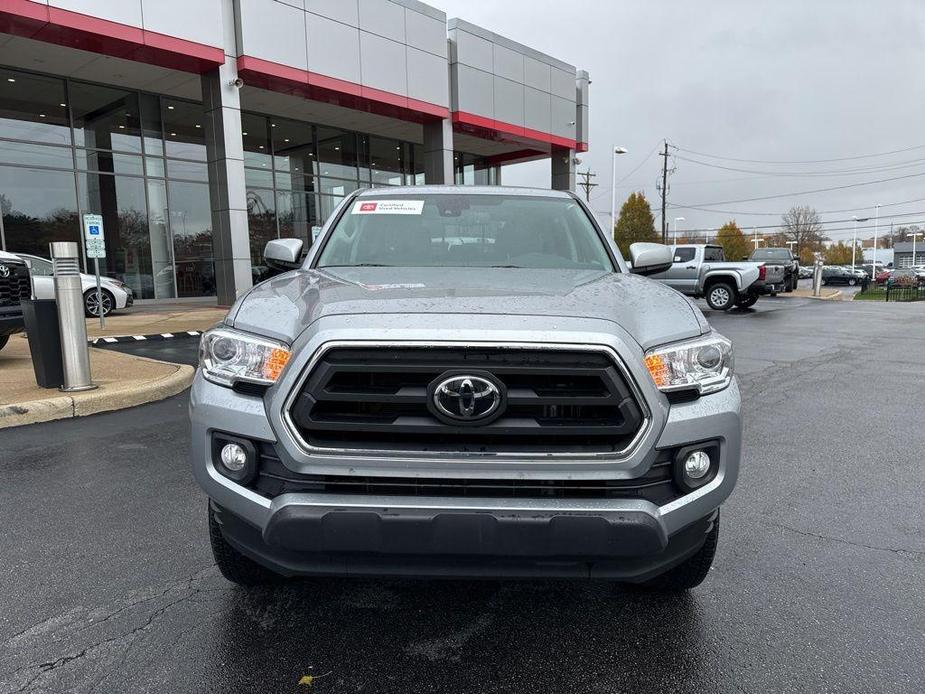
x,y
650,258
283,254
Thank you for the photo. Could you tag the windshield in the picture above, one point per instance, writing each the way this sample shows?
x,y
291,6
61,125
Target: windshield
x,y
771,254
441,230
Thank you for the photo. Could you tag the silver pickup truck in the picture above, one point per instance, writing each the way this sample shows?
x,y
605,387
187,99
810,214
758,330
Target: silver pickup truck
x,y
465,381
701,270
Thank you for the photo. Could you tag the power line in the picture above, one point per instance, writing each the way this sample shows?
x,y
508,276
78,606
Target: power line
x,y
803,192
780,214
803,174
804,161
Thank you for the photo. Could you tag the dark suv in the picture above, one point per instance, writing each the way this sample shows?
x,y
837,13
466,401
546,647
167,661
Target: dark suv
x,y
14,287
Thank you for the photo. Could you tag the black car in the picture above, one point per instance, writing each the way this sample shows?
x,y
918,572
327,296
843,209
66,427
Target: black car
x,y
840,275
14,287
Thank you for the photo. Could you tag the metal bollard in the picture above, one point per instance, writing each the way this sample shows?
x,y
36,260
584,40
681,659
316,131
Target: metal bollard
x,y
75,352
817,278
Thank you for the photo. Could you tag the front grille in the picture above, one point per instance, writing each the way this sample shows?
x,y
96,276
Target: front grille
x,y
274,478
558,401
15,287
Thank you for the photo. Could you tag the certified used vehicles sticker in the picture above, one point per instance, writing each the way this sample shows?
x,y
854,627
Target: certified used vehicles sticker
x,y
388,207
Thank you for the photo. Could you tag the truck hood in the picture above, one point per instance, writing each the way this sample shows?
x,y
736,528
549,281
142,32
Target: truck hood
x,y
286,305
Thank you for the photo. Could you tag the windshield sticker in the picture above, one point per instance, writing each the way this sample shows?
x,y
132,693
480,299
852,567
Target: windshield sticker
x,y
388,207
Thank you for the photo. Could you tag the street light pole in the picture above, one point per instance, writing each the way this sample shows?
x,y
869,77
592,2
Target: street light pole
x,y
914,235
873,265
613,188
756,241
676,220
854,241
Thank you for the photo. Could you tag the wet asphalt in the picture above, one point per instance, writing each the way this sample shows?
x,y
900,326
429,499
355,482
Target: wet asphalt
x,y
818,585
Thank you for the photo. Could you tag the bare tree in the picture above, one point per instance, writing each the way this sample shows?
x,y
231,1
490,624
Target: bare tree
x,y
801,225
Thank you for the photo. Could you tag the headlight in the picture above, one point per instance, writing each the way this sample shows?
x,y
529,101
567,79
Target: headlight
x,y
227,356
704,364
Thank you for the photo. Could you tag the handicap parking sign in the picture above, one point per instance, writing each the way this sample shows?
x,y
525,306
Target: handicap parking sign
x,y
94,237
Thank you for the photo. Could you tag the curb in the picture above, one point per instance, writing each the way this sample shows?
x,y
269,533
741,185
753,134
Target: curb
x,y
65,406
112,339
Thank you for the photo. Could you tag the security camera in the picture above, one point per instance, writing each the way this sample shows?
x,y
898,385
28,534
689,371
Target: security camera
x,y
237,83
576,161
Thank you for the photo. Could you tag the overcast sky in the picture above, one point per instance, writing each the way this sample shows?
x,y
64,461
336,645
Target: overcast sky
x,y
774,80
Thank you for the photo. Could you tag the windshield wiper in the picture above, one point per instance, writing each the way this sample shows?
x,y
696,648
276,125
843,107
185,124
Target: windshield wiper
x,y
360,265
519,267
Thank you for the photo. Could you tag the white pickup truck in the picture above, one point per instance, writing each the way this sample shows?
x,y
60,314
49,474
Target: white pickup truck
x,y
701,270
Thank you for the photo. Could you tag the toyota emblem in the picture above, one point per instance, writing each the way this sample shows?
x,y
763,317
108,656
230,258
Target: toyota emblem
x,y
4,271
467,398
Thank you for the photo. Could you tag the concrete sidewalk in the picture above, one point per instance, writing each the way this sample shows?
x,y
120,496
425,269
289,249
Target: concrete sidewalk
x,y
124,381
142,320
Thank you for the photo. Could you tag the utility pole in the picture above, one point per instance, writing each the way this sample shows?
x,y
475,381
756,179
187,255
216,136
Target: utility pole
x,y
586,183
664,191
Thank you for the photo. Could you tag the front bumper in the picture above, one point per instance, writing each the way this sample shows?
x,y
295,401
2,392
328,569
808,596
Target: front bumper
x,y
339,534
304,539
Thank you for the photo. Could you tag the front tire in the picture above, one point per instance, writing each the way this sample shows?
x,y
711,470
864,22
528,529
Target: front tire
x,y
748,301
692,571
721,296
233,565
91,307
851,283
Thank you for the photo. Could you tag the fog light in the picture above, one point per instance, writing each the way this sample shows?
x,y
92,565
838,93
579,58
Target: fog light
x,y
234,457
696,465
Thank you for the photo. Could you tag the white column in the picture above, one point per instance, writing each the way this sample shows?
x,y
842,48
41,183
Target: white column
x,y
227,191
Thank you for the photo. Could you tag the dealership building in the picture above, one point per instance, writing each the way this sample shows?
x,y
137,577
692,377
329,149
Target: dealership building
x,y
201,129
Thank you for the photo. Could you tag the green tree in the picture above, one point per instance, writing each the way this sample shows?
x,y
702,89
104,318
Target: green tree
x,y
730,237
635,224
840,254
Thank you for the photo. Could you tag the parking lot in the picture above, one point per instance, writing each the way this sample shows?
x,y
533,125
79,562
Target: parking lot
x,y
818,585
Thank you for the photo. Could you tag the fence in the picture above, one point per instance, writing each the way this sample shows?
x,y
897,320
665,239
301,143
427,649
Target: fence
x,y
905,293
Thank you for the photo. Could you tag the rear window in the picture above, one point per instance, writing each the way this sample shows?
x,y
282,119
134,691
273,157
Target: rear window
x,y
713,255
449,230
771,254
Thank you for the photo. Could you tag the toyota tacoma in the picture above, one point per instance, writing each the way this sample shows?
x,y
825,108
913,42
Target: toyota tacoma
x,y
465,381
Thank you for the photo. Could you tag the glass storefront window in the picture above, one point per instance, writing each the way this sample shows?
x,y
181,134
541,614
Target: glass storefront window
x,y
261,178
36,155
162,284
385,161
92,160
154,166
337,153
184,130
121,202
334,187
293,146
105,118
153,225
190,170
38,207
261,225
256,141
33,108
296,215
152,129
191,228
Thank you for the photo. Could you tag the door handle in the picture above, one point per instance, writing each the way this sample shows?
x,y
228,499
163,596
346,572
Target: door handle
x,y
691,267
